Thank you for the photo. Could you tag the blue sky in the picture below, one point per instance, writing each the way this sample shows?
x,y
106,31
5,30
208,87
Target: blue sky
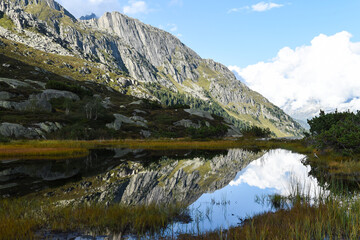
x,y
302,55
240,37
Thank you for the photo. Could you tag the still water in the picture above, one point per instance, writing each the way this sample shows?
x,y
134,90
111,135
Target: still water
x,y
219,187
276,172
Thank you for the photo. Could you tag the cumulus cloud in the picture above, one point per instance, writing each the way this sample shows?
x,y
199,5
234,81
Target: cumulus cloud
x,y
263,6
136,7
259,7
82,7
324,75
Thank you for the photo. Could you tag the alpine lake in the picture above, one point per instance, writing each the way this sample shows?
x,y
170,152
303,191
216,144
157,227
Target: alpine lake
x,y
217,189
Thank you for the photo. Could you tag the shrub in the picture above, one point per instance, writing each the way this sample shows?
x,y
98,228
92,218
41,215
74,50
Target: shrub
x,y
255,131
339,131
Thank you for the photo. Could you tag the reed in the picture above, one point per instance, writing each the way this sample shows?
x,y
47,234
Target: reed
x,y
331,217
24,219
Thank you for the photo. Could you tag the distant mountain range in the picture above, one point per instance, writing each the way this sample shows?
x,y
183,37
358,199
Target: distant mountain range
x,y
136,59
88,17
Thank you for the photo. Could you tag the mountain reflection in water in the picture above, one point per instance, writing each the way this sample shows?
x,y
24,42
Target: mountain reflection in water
x,y
276,172
220,187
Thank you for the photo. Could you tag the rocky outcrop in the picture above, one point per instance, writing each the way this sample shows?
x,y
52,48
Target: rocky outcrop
x,y
35,102
199,113
120,119
36,131
187,123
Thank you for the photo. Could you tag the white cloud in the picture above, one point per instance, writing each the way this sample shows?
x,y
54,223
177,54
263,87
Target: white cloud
x,y
324,75
259,7
136,7
82,7
263,6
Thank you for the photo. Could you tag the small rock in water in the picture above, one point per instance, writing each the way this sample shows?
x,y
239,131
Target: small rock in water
x,y
6,65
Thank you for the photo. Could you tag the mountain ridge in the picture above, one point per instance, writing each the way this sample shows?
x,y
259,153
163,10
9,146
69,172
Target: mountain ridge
x,y
129,49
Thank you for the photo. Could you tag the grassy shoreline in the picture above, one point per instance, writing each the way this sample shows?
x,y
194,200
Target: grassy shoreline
x,y
74,147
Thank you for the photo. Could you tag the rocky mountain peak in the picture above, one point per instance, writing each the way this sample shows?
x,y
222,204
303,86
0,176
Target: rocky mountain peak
x,y
88,17
166,69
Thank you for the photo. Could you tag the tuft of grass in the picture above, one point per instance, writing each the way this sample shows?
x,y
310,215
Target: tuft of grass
x,y
25,219
331,218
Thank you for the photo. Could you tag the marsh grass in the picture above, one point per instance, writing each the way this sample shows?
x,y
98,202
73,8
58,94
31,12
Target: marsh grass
x,y
26,219
299,217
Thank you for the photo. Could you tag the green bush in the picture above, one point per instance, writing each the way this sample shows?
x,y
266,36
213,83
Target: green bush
x,y
207,132
339,131
255,131
4,139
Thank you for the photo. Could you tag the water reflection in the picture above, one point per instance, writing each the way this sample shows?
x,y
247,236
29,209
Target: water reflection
x,y
220,187
275,172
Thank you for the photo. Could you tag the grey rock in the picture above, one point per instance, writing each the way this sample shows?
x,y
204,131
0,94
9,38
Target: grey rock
x,y
6,65
139,111
145,133
14,83
41,84
49,126
233,132
138,119
49,94
5,95
17,131
199,113
187,123
136,102
120,119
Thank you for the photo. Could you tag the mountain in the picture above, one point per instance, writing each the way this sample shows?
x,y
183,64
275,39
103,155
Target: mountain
x,y
88,17
139,60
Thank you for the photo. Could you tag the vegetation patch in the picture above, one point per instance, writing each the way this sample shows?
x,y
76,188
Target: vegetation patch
x,y
331,218
26,219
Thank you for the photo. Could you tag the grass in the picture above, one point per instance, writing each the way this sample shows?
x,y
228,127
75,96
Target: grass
x,y
41,152
6,22
75,147
25,218
332,217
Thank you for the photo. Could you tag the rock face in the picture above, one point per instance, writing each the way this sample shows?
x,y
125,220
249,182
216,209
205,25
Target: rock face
x,y
149,55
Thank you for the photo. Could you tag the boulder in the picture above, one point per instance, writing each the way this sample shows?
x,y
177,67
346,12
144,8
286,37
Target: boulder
x,y
17,131
5,95
199,113
14,83
187,123
120,119
145,133
49,94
